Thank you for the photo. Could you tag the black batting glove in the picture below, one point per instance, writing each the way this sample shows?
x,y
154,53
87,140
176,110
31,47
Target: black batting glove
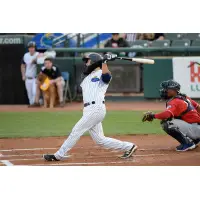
x,y
109,57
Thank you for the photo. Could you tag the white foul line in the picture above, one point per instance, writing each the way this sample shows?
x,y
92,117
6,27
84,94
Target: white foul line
x,y
21,155
29,159
19,159
7,162
8,150
32,149
92,163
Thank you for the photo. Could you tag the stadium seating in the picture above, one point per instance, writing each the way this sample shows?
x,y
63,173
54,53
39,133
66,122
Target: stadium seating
x,y
192,36
143,43
196,43
161,43
181,43
174,36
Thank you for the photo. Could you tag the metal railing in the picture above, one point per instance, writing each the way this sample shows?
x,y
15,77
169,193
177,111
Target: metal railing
x,y
148,49
80,39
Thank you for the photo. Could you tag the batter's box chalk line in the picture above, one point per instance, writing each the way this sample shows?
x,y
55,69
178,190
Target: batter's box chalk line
x,y
7,162
94,147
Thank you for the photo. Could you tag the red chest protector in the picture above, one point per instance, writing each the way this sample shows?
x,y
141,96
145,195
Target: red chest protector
x,y
189,105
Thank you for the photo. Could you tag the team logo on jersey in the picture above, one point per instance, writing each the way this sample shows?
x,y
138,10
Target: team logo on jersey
x,y
169,106
95,79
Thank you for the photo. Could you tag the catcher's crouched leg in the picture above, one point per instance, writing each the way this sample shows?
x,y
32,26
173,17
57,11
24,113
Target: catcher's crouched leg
x,y
171,129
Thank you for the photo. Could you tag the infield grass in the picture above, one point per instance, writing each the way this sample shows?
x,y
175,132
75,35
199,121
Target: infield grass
x,y
40,124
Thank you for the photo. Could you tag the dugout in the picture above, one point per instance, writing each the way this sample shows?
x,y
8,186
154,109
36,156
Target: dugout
x,y
12,49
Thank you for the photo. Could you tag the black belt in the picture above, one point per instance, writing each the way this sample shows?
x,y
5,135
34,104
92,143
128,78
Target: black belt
x,y
93,102
30,78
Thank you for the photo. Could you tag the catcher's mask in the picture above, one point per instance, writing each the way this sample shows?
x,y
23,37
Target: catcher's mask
x,y
166,85
95,61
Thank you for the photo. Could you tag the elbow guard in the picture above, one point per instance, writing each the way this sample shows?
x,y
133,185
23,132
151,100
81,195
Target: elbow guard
x,y
106,78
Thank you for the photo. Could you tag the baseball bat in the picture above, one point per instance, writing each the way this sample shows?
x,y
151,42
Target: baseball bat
x,y
139,60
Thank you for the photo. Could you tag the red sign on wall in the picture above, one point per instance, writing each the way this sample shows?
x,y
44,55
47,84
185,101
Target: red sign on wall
x,y
194,72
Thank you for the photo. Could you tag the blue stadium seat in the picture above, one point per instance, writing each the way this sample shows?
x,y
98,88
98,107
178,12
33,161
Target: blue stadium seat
x,y
65,76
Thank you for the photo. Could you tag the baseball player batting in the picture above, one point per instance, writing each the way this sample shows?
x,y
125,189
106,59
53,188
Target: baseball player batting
x,y
94,86
181,119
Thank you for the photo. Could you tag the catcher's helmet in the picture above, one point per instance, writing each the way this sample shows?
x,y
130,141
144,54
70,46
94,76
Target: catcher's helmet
x,y
96,61
31,44
170,84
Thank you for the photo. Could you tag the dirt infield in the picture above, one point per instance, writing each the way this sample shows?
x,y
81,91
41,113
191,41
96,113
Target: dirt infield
x,y
153,149
79,106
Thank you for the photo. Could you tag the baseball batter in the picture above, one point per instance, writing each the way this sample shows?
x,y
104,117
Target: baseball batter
x,y
181,119
94,87
28,71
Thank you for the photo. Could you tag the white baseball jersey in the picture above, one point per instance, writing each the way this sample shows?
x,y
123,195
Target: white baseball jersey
x,y
30,74
31,69
93,88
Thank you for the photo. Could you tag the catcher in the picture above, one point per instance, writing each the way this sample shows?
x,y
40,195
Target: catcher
x,y
181,119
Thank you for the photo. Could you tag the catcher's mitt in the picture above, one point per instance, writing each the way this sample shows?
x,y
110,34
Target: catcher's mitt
x,y
148,116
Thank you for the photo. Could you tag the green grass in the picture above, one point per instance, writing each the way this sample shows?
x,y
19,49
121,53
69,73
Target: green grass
x,y
40,124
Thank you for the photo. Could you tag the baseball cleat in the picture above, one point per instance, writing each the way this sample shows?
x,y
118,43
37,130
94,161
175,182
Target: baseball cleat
x,y
48,157
196,142
186,147
129,153
62,104
35,105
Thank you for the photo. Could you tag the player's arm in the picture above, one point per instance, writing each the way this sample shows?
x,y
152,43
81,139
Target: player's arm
x,y
23,69
106,74
164,115
167,114
170,112
58,75
150,116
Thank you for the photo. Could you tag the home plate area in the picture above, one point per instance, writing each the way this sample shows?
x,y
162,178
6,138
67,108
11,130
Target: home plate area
x,y
152,150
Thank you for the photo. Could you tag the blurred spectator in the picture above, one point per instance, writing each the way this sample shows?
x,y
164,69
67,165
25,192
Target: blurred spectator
x,y
130,37
117,41
151,36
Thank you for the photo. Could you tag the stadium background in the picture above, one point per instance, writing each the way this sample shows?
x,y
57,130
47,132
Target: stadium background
x,y
134,89
136,84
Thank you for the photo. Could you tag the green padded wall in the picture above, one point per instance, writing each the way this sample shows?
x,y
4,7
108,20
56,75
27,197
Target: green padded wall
x,y
154,74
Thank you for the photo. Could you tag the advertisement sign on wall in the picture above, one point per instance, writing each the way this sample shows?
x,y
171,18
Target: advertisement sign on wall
x,y
186,71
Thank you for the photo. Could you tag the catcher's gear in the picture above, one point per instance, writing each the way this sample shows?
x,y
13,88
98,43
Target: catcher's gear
x,y
148,116
96,61
171,129
170,84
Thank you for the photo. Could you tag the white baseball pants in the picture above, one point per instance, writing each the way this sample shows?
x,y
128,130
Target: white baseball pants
x,y
91,120
31,89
